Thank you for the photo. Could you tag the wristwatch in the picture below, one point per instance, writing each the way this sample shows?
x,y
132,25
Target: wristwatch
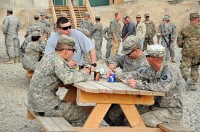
x,y
94,64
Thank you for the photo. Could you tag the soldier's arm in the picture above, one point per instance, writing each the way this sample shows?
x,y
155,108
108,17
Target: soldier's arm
x,y
159,33
5,26
112,30
174,32
144,30
67,75
18,26
105,33
94,28
117,60
180,39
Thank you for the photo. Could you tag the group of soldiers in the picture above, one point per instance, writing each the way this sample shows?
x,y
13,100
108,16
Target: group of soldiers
x,y
65,50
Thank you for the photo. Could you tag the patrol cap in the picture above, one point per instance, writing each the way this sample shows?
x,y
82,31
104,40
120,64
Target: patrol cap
x,y
138,16
42,13
36,16
129,44
146,15
63,14
155,50
36,33
66,40
166,17
48,16
194,15
97,17
84,31
86,14
10,9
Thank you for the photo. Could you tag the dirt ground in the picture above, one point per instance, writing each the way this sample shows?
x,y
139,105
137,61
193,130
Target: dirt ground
x,y
13,82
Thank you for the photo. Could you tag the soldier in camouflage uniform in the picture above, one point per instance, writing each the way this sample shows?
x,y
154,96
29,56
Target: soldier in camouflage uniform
x,y
167,33
189,40
86,22
51,72
133,60
33,52
106,32
115,34
96,34
11,27
150,31
157,77
46,23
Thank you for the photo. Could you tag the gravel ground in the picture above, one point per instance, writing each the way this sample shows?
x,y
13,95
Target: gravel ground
x,y
13,91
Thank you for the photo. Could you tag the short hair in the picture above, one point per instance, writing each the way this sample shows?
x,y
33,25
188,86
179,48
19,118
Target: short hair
x,y
61,20
10,12
98,19
60,46
127,17
36,18
116,14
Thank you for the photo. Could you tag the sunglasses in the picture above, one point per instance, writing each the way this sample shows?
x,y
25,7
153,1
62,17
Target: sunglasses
x,y
66,28
138,17
73,50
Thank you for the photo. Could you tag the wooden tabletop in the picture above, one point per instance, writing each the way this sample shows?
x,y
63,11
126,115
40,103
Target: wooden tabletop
x,y
102,86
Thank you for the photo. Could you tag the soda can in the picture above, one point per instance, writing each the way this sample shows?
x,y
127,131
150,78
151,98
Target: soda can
x,y
112,78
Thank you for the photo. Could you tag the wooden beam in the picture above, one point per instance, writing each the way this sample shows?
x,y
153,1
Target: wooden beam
x,y
96,116
119,129
86,97
133,116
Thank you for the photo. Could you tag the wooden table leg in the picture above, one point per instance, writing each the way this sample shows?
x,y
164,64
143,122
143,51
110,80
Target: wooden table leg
x,y
71,94
133,116
96,116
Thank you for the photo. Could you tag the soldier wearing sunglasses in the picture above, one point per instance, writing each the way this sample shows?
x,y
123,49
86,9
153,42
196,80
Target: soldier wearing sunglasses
x,y
82,42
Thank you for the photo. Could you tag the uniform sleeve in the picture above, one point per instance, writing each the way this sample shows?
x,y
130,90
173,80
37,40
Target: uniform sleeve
x,y
68,76
94,28
180,39
154,28
173,31
118,60
18,25
159,32
105,32
112,27
143,30
5,25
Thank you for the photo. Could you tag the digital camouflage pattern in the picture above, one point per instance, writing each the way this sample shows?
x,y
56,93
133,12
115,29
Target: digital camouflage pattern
x,y
86,24
106,32
166,109
47,25
10,28
150,32
189,40
51,72
96,34
31,56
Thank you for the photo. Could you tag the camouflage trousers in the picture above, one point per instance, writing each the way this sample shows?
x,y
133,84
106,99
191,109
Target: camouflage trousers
x,y
148,41
29,63
169,49
98,45
115,47
185,66
152,116
108,48
73,114
12,45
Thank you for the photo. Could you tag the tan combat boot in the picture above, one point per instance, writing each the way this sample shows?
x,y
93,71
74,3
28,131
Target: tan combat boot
x,y
17,60
173,60
10,62
7,60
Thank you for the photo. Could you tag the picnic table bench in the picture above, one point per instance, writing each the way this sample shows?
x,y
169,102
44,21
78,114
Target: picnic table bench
x,y
104,94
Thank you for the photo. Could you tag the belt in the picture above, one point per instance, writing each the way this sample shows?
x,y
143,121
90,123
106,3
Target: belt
x,y
43,113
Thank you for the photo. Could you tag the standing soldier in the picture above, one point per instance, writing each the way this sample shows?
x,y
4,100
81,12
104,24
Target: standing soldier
x,y
150,31
46,23
140,30
124,29
106,32
167,33
96,34
189,41
86,23
11,28
115,29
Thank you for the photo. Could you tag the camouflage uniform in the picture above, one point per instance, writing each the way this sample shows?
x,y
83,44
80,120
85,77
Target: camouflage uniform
x,y
106,32
96,34
168,30
11,27
189,40
115,28
86,24
46,24
167,108
150,32
51,72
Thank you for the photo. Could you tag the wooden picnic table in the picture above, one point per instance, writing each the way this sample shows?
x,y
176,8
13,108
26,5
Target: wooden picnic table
x,y
104,94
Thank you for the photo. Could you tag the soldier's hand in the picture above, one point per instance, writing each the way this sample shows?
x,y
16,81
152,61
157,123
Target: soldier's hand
x,y
115,39
72,64
87,70
132,82
112,67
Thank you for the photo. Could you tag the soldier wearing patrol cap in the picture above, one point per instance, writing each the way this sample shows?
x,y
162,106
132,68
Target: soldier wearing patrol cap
x,y
150,31
188,39
33,52
97,35
63,14
46,23
51,72
86,22
10,28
